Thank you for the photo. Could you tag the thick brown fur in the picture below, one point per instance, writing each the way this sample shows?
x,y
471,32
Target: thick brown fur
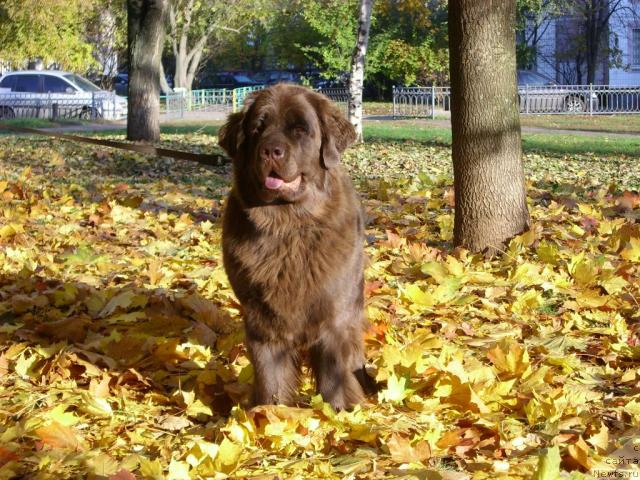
x,y
294,256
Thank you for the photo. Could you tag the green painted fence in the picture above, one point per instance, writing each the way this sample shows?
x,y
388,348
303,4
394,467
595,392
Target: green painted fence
x,y
223,99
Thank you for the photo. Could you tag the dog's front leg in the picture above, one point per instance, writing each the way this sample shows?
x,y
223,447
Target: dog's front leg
x,y
331,361
276,372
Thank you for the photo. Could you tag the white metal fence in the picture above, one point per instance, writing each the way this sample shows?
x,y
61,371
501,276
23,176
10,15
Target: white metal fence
x,y
535,100
407,102
89,106
420,101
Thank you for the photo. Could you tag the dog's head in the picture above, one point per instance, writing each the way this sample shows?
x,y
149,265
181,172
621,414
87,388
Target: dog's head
x,y
283,142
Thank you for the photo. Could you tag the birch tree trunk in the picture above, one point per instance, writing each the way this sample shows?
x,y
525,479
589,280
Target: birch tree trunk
x,y
357,67
145,35
490,195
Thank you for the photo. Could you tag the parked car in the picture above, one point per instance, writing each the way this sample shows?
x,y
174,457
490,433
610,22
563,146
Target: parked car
x,y
121,84
47,93
340,81
226,80
540,94
271,77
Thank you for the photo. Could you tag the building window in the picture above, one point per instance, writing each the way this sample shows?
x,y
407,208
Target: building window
x,y
635,47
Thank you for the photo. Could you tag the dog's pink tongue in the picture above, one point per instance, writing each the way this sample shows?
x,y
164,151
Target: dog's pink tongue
x,y
273,183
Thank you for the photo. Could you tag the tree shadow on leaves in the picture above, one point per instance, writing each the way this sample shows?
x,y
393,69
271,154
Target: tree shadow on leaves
x,y
176,347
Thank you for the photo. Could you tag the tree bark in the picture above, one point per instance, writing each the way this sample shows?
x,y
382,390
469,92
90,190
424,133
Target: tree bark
x,y
490,194
357,67
146,28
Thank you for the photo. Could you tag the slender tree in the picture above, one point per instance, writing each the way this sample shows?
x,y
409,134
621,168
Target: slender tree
x,y
533,19
146,26
490,195
357,67
196,28
107,32
593,41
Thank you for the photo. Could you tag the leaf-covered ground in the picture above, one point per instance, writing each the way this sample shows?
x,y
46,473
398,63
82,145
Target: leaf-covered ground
x,y
121,351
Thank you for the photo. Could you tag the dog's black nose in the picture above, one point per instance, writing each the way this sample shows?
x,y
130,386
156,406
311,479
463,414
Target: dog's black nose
x,y
272,151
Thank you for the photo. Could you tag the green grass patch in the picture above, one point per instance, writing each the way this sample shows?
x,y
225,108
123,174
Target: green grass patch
x,y
418,132
37,123
559,144
184,128
575,144
595,123
178,128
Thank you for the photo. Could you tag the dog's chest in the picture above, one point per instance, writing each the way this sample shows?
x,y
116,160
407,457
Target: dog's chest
x,y
288,267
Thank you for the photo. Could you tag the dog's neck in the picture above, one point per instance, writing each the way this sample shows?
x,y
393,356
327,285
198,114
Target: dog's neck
x,y
270,217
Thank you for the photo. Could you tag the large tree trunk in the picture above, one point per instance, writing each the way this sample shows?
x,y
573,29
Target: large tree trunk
x,y
490,195
146,27
357,67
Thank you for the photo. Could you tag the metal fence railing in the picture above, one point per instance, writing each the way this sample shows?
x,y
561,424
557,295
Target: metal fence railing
x,y
420,101
87,106
339,95
180,102
535,100
239,94
407,101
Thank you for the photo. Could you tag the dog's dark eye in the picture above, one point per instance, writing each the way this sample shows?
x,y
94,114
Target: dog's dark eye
x,y
258,124
257,128
300,129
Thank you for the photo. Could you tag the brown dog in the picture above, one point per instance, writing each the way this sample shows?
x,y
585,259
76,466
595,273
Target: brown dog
x,y
292,244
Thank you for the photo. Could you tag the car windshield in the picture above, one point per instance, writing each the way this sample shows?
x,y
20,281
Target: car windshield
x,y
530,78
242,78
82,83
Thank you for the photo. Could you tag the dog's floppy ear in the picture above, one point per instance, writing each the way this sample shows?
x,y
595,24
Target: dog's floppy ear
x,y
231,135
337,132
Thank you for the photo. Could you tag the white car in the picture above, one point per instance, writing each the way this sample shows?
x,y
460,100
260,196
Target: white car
x,y
56,94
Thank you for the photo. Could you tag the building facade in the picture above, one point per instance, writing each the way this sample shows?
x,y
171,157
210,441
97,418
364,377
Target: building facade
x,y
560,52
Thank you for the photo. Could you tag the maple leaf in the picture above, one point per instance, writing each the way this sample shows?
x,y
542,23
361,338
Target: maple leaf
x,y
56,435
122,474
548,465
103,465
97,407
402,451
7,456
396,390
418,297
632,251
61,416
579,453
509,358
